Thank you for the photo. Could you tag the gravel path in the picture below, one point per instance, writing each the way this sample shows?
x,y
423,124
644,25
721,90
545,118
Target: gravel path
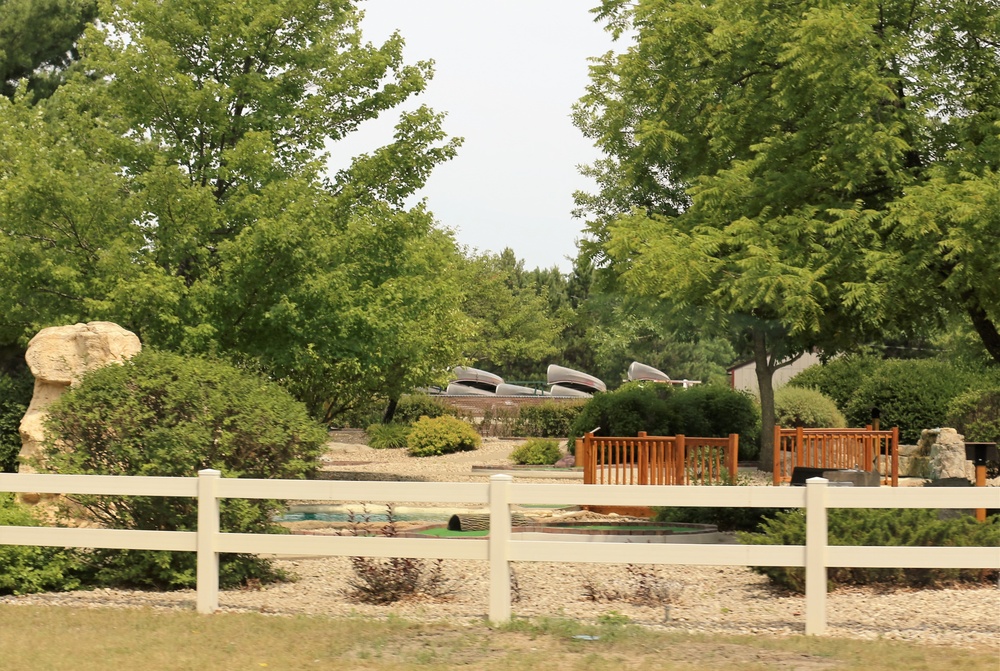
x,y
730,600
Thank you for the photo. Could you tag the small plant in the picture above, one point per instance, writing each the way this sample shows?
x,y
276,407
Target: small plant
x,y
613,619
640,585
441,435
382,581
414,406
387,436
537,451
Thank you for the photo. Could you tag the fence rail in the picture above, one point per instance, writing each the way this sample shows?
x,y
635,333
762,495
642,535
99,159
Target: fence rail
x,y
499,548
865,449
657,460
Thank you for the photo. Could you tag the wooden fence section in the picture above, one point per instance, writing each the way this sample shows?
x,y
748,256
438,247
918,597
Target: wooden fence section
x,y
864,449
500,548
658,460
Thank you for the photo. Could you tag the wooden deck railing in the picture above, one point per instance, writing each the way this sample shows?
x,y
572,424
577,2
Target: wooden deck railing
x,y
865,449
657,460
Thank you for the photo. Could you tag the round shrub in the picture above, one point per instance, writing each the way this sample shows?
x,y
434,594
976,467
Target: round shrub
x,y
25,569
712,411
912,394
387,436
162,414
802,406
976,414
538,452
631,408
840,377
15,395
432,436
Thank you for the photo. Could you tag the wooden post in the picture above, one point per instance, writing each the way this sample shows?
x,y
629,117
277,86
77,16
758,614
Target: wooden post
x,y
583,448
733,456
778,463
895,456
643,447
207,563
981,482
680,464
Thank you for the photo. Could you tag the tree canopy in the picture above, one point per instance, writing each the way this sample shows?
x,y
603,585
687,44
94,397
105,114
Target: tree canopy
x,y
176,184
777,166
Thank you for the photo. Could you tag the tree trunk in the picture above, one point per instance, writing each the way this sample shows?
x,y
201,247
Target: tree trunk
x,y
765,385
984,326
390,411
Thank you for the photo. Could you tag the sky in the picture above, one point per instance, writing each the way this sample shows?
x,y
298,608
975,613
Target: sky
x,y
507,73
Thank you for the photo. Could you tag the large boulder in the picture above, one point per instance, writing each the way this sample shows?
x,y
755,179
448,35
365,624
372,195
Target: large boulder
x,y
58,357
945,450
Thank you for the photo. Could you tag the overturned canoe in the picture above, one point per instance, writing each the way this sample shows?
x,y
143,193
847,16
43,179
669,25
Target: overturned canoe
x,y
641,372
517,390
561,390
474,377
574,379
459,389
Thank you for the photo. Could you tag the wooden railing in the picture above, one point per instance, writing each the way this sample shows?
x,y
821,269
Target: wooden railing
x,y
657,460
864,449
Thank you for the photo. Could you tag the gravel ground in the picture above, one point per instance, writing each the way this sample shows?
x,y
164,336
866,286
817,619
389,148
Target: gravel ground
x,y
730,600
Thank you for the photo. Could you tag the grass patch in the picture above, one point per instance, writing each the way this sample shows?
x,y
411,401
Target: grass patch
x,y
445,532
95,640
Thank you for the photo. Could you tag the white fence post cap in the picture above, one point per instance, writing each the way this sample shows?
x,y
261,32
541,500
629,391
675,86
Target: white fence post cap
x,y
817,481
209,472
502,477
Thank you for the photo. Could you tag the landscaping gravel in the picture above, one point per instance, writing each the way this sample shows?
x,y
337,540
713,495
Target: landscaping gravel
x,y
704,599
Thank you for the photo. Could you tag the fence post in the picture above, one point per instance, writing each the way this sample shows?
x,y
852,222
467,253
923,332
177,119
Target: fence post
x,y
499,544
642,445
895,456
779,465
208,529
816,555
733,456
680,463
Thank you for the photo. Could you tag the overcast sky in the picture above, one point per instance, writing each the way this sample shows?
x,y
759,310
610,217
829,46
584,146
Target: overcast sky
x,y
507,73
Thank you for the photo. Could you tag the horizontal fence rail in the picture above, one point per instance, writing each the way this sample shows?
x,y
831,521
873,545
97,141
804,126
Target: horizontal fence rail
x,y
657,460
500,548
863,449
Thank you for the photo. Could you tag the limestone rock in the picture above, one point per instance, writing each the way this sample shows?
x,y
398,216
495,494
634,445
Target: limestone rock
x,y
947,453
58,357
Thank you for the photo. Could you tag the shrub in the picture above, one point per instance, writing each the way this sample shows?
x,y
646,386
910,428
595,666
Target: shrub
x,y
548,419
912,394
840,377
163,414
880,527
632,408
414,406
431,436
795,406
392,579
715,411
15,394
537,452
387,436
976,414
725,519
27,569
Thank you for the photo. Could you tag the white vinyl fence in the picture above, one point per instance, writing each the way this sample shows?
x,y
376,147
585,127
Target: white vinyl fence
x,y
501,547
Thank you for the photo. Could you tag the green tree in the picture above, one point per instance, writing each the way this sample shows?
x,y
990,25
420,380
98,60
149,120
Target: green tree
x,y
38,41
179,189
758,159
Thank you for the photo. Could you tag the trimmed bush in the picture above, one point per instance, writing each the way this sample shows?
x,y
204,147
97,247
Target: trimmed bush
x,y
539,452
432,436
633,407
162,414
659,410
802,406
976,414
840,377
414,406
548,419
913,394
715,411
15,394
387,436
26,569
913,527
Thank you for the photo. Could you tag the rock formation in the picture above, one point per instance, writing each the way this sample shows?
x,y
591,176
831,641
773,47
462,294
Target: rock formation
x,y
58,357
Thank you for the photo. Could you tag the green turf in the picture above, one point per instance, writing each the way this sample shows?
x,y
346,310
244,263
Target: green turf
x,y
444,532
